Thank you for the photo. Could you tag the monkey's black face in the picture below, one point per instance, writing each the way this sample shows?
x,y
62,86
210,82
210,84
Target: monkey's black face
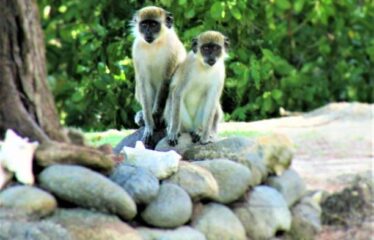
x,y
149,28
211,52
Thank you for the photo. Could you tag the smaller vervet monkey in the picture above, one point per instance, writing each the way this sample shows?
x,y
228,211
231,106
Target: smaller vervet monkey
x,y
193,105
156,52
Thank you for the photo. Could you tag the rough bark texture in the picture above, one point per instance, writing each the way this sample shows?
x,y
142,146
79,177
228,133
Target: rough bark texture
x,y
26,103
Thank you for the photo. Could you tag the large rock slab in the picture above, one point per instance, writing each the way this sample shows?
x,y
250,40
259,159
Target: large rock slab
x,y
233,178
181,233
171,208
87,188
290,185
184,143
197,181
84,224
217,221
21,230
32,201
264,213
306,218
138,182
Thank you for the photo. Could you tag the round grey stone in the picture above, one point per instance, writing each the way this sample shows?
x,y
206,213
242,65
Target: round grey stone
x,y
233,178
84,224
140,183
171,208
263,213
217,221
32,201
197,181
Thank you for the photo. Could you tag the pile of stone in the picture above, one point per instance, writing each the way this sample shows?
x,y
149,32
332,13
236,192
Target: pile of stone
x,y
236,188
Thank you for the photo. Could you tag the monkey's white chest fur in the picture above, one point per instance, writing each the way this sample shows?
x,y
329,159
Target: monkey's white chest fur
x,y
203,86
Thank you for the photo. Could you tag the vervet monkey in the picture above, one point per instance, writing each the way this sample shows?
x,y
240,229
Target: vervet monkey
x,y
193,105
156,52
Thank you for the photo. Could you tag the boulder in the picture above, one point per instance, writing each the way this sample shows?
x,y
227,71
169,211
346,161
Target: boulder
x,y
138,182
87,188
289,184
32,201
217,221
181,233
233,178
84,224
171,208
184,143
263,213
197,181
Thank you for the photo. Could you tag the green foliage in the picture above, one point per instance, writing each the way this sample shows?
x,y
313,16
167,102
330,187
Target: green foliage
x,y
295,54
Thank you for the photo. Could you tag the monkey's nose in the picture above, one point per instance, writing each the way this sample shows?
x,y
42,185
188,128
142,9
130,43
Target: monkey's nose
x,y
149,39
211,62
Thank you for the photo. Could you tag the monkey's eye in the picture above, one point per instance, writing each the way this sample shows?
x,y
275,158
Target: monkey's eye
x,y
216,47
205,48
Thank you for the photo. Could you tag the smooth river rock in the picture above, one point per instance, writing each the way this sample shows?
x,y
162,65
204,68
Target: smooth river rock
x,y
171,208
138,182
181,233
263,213
290,185
83,224
233,178
197,181
86,188
21,230
32,201
216,221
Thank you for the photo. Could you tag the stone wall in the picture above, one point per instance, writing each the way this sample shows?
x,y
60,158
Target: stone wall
x,y
236,188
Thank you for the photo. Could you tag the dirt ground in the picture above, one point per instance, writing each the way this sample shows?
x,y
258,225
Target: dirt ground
x,y
334,144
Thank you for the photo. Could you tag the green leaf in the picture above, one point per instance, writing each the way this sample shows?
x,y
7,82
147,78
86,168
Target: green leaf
x,y
236,13
282,4
216,10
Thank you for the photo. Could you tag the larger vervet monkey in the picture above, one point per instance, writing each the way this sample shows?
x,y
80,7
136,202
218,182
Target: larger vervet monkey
x,y
193,104
156,52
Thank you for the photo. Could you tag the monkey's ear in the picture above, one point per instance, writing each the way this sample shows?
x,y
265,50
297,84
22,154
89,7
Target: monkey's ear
x,y
194,45
226,43
169,20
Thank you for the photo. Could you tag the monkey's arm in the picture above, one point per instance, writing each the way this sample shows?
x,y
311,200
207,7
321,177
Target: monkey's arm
x,y
145,98
210,110
163,92
173,130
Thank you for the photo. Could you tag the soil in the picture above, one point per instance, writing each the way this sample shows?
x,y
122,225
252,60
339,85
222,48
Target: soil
x,y
334,144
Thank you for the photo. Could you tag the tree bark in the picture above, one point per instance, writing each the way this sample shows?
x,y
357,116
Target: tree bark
x,y
26,103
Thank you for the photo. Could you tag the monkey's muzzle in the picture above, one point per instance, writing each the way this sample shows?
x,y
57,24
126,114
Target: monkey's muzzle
x,y
210,61
149,39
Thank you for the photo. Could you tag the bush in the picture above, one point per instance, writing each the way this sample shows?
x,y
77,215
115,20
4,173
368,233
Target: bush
x,y
294,54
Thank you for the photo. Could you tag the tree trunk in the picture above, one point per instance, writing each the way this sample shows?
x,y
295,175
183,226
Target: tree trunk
x,y
26,103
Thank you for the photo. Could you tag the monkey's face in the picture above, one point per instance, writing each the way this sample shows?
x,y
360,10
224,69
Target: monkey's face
x,y
211,52
151,22
210,47
150,29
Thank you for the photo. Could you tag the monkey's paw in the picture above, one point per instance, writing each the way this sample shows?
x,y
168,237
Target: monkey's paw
x,y
173,139
195,137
